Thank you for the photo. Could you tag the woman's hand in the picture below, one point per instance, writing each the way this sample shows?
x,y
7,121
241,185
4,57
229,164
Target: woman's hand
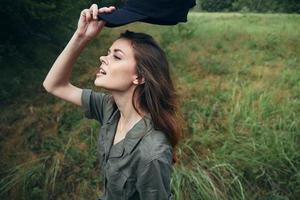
x,y
89,25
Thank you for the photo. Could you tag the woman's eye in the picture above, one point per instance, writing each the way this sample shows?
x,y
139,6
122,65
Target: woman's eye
x,y
116,57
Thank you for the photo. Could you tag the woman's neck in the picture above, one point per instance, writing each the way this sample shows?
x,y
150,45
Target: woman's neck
x,y
123,101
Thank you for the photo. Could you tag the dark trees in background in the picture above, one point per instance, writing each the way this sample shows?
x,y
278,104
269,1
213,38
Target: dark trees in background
x,y
282,6
216,5
31,32
26,21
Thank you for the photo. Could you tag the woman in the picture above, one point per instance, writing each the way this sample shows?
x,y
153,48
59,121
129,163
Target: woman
x,y
139,126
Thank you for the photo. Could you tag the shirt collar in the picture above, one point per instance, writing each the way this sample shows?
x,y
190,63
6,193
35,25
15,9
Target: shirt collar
x,y
136,133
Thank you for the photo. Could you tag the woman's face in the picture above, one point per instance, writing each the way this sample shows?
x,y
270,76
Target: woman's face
x,y
118,68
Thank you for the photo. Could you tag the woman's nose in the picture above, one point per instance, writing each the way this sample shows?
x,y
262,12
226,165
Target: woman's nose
x,y
103,60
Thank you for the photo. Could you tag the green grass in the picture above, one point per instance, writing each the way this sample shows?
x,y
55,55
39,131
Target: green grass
x,y
238,77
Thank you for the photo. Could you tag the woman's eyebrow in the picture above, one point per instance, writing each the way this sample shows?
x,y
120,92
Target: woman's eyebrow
x,y
116,50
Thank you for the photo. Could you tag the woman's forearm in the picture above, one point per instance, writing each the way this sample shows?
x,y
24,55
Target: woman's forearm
x,y
60,72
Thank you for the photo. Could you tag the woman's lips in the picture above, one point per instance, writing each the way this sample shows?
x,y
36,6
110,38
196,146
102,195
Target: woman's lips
x,y
101,72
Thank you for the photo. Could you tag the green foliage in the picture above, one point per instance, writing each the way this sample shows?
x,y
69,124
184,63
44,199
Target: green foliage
x,y
215,5
288,6
43,21
33,30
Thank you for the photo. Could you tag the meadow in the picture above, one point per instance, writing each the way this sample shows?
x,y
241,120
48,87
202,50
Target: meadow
x,y
238,78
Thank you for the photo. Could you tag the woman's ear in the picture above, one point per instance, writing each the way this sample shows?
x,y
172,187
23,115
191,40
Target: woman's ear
x,y
139,80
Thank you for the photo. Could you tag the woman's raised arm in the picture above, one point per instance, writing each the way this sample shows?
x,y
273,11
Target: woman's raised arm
x,y
57,81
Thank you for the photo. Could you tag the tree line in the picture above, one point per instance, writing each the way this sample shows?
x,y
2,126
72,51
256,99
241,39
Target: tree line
x,y
262,6
25,22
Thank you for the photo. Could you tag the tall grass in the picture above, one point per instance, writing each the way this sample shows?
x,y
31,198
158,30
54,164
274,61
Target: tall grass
x,y
238,79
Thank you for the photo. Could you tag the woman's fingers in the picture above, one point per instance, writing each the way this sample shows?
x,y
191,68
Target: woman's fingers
x,y
86,13
106,9
83,12
94,11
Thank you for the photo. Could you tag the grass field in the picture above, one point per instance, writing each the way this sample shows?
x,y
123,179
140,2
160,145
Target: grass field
x,y
238,76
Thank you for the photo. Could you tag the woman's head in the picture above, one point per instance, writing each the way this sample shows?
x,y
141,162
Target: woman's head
x,y
118,68
145,69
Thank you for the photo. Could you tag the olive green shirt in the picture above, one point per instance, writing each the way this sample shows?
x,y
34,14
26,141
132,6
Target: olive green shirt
x,y
139,166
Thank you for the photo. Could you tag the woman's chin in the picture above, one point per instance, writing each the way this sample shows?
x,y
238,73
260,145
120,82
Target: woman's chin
x,y
98,83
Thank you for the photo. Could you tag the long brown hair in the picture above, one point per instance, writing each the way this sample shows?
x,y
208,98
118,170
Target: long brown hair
x,y
157,94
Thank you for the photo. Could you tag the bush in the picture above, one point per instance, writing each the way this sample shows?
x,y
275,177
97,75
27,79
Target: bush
x,y
288,6
216,5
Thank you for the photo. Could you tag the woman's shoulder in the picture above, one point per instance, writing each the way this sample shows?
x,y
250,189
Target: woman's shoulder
x,y
110,108
98,105
156,137
155,145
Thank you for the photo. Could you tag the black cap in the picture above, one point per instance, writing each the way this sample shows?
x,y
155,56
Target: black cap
x,y
162,12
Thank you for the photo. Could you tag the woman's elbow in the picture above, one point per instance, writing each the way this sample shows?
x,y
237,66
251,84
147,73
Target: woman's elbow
x,y
48,87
